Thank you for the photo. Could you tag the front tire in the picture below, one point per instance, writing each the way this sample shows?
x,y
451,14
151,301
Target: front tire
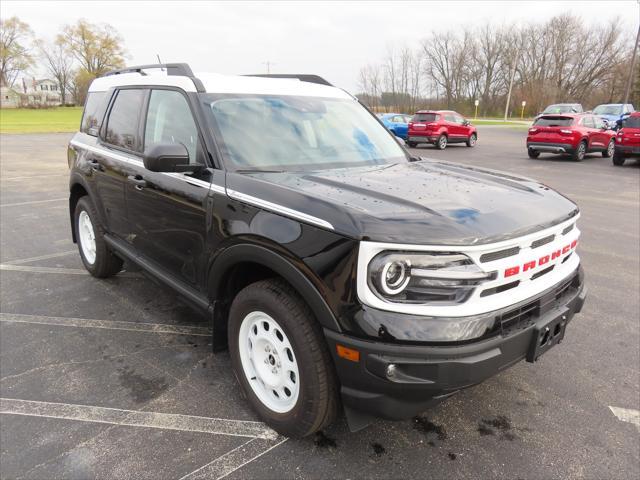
x,y
412,144
441,143
580,151
610,149
280,358
471,141
94,252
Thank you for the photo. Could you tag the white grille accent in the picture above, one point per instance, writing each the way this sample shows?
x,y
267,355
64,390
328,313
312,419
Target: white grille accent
x,y
477,304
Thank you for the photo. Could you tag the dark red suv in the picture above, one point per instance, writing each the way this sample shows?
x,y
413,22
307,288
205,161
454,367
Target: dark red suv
x,y
628,139
573,134
439,128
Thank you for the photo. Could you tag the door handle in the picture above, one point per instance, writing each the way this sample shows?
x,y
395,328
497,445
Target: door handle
x,y
137,181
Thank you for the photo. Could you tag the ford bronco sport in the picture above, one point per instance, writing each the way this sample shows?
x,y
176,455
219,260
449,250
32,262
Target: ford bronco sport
x,y
336,268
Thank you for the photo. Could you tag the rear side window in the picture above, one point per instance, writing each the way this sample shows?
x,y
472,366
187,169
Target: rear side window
x,y
425,117
122,125
93,114
552,121
588,122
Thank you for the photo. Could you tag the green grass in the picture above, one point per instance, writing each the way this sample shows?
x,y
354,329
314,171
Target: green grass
x,y
26,120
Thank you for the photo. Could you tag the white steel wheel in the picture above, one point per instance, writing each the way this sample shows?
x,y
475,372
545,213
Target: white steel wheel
x,y
87,237
268,362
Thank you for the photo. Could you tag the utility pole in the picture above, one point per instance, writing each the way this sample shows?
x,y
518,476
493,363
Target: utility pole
x,y
269,65
631,69
513,74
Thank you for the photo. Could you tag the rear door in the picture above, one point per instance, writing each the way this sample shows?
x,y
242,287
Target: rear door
x,y
115,155
601,134
168,211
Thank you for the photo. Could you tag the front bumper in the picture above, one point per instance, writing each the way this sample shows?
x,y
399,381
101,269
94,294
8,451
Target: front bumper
x,y
551,147
423,374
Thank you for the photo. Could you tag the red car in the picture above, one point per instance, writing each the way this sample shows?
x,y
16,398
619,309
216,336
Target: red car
x,y
439,128
628,139
573,134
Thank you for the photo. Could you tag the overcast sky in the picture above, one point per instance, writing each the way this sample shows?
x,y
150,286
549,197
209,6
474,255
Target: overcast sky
x,y
328,38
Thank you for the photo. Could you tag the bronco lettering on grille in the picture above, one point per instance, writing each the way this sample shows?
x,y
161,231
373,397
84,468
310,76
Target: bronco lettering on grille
x,y
509,272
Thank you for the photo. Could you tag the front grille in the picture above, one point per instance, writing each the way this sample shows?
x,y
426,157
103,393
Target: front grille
x,y
542,272
526,315
490,257
501,288
542,241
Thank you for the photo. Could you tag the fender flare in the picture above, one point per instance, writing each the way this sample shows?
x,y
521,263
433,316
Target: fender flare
x,y
245,252
78,179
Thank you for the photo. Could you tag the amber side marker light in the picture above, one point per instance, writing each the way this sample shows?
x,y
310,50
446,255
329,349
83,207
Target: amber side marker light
x,y
348,353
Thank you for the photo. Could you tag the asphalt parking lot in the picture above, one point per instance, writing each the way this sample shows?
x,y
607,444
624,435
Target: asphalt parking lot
x,y
116,379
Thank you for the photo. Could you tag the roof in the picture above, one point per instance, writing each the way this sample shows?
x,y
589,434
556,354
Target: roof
x,y
219,83
435,111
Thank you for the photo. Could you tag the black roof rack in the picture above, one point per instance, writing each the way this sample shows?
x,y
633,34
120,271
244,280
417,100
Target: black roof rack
x,y
303,77
174,69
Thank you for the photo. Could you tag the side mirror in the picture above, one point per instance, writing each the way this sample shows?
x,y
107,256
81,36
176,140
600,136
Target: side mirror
x,y
167,157
466,122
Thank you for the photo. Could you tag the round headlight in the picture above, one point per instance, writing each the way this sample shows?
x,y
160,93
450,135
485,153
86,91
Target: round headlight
x,y
394,277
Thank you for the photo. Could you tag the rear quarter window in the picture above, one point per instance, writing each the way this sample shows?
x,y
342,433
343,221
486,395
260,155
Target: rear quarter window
x,y
554,121
93,114
425,117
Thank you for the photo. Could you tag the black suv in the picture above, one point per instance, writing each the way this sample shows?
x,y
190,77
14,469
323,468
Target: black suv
x,y
336,268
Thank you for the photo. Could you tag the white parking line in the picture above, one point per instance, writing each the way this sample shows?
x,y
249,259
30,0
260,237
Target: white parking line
x,y
137,418
234,459
65,271
106,324
41,257
33,202
627,415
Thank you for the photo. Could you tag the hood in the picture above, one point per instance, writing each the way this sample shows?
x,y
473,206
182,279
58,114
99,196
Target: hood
x,y
424,202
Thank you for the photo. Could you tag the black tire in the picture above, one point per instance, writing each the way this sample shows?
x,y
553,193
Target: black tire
x,y
471,141
441,143
106,263
533,153
317,403
412,144
610,149
618,159
580,151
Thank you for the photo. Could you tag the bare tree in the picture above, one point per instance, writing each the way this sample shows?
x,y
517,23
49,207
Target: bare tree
x,y
58,61
15,57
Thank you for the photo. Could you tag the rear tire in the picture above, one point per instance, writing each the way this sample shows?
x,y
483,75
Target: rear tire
x,y
579,152
610,149
412,144
471,141
281,359
94,252
441,143
533,153
618,159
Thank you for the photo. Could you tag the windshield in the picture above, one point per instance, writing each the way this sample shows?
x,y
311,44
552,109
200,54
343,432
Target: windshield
x,y
560,108
554,121
631,122
265,132
608,110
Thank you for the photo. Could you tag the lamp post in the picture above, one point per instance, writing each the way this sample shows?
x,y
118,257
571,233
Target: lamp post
x,y
476,103
524,104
